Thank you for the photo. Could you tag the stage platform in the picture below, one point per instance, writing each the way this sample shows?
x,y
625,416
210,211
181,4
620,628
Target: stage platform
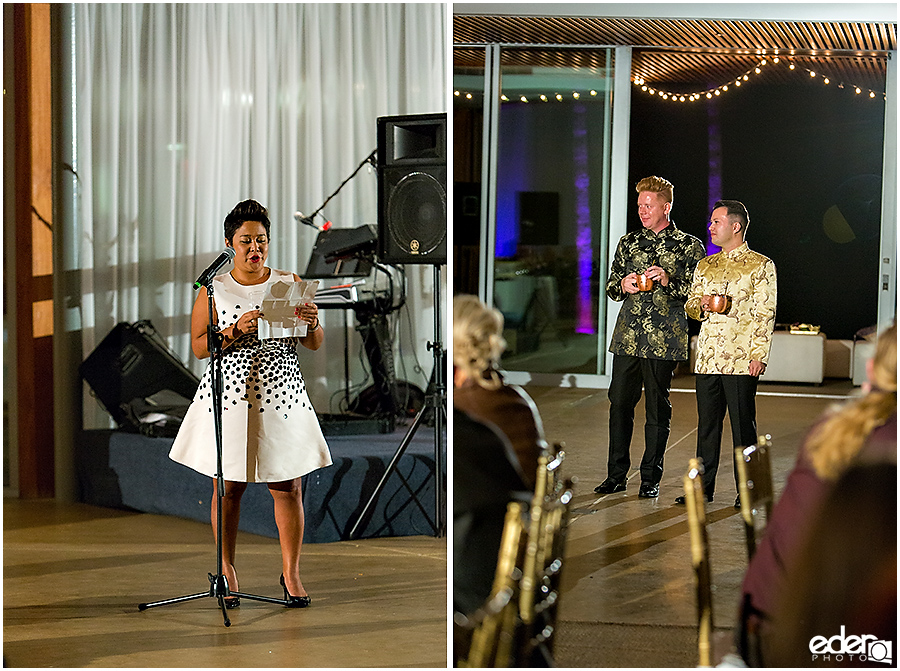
x,y
130,471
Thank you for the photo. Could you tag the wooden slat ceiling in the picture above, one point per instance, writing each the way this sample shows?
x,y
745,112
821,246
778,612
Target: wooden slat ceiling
x,y
688,54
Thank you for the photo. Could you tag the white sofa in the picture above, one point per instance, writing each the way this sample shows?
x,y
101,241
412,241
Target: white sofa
x,y
793,358
796,358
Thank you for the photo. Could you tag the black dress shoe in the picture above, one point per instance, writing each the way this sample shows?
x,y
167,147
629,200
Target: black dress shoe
x,y
648,490
294,601
232,602
679,500
610,486
737,502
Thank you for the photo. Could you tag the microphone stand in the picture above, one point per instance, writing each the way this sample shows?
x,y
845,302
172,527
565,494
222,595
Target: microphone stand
x,y
310,218
218,583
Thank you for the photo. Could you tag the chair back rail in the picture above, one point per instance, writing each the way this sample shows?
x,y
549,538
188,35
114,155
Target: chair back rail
x,y
539,624
546,487
517,624
754,469
696,512
495,623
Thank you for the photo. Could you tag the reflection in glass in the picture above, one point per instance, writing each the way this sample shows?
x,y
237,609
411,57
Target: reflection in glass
x,y
549,269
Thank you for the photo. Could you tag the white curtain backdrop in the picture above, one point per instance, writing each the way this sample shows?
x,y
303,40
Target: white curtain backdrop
x,y
182,110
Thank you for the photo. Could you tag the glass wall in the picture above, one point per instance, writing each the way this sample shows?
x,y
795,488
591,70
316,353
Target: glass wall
x,y
468,125
548,229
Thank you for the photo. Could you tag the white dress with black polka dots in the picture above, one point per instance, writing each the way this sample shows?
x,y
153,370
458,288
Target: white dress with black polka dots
x,y
270,431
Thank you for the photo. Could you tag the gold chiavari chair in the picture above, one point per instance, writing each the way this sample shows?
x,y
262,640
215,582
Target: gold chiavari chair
x,y
754,469
546,485
517,624
545,556
696,512
494,626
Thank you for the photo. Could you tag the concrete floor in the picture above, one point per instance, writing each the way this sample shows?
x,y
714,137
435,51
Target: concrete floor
x,y
73,576
628,586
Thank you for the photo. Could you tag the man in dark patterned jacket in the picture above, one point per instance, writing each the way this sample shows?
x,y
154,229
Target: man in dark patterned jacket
x,y
651,333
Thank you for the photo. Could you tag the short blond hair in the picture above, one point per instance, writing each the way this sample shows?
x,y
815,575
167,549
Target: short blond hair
x,y
477,340
663,187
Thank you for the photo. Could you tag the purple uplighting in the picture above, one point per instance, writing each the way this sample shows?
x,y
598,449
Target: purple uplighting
x,y
584,317
714,188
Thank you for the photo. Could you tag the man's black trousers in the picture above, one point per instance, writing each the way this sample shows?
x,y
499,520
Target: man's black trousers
x,y
629,375
715,395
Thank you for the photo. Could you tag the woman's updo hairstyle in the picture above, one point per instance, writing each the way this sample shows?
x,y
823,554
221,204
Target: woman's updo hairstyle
x,y
477,340
246,210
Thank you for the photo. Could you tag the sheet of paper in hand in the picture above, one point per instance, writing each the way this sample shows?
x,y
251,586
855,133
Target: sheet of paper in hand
x,y
277,318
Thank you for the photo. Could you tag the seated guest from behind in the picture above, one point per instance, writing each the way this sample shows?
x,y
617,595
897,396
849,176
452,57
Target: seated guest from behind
x,y
863,430
486,477
480,391
843,583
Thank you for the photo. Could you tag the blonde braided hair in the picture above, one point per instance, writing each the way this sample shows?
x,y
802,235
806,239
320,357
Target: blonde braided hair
x,y
839,438
477,340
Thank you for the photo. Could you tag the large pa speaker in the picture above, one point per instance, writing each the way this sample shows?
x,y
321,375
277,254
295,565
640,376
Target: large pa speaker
x,y
412,189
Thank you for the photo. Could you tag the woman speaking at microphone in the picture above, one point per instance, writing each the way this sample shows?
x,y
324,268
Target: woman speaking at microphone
x,y
270,432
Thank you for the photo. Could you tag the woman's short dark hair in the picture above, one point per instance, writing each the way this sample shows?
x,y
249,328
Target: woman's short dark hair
x,y
246,210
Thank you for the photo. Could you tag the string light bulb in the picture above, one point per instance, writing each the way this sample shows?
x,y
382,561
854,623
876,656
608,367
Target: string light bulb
x,y
696,95
757,69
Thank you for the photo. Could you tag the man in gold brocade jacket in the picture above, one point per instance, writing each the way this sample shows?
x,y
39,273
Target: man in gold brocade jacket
x,y
735,337
651,333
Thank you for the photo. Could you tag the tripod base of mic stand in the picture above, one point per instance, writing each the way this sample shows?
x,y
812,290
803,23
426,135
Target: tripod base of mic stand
x,y
218,589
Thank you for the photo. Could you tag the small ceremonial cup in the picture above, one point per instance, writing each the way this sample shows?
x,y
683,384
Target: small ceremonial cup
x,y
644,283
719,303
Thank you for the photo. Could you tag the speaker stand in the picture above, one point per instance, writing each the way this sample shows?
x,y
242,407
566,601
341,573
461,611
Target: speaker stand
x,y
436,399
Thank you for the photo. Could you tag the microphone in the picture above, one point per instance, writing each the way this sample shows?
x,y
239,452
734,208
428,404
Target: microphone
x,y
308,221
210,272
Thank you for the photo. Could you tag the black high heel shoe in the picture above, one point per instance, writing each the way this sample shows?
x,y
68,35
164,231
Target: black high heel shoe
x,y
294,601
229,601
